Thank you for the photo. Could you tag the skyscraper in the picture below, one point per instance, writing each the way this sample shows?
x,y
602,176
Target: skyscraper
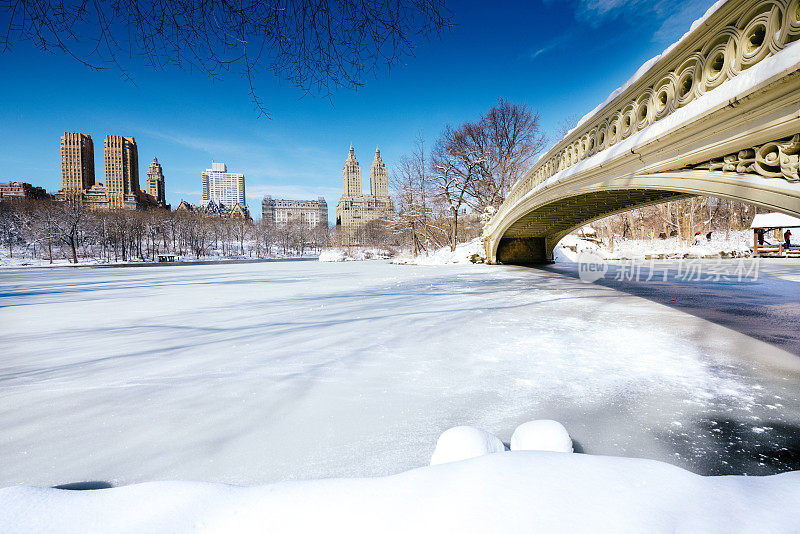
x,y
355,209
121,160
378,177
223,187
352,175
155,183
77,163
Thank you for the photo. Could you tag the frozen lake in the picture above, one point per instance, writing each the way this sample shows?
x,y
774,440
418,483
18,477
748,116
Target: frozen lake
x,y
251,373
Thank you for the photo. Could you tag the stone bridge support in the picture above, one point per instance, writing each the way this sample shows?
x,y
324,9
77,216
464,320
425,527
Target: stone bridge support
x,y
523,251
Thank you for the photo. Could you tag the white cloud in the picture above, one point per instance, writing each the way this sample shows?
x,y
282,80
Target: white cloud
x,y
214,147
540,51
680,19
675,15
554,43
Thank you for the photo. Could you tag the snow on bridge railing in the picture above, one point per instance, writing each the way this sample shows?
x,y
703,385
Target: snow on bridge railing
x,y
731,37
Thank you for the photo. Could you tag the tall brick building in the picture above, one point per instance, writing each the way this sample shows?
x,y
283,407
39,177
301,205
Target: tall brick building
x,y
121,162
77,163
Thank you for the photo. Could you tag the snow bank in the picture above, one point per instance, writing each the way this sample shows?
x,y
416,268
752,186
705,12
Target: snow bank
x,y
571,246
736,245
23,259
332,254
355,254
464,442
511,492
541,435
470,252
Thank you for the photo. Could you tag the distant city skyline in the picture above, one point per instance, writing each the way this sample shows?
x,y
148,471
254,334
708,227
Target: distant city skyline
x,y
562,60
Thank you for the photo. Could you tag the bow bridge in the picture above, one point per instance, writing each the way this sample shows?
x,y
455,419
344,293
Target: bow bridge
x,y
718,113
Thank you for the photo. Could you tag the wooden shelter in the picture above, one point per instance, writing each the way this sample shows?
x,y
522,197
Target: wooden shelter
x,y
766,222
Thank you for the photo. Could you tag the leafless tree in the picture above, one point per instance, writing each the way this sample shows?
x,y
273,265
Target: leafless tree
x,y
471,167
416,224
510,137
677,218
66,221
318,45
454,165
10,224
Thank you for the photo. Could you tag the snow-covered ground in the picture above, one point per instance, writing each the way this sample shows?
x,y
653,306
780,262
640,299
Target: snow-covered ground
x,y
735,245
334,254
21,259
470,252
252,373
513,492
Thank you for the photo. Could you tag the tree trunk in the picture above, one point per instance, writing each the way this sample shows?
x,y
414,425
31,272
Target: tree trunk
x,y
454,237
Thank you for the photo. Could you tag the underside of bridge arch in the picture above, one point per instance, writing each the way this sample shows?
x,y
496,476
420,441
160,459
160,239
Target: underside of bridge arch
x,y
532,237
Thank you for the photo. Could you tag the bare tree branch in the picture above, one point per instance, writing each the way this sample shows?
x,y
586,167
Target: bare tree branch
x,y
318,45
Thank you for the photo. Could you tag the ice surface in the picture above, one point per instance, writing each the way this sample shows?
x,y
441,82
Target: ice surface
x,y
508,492
541,435
464,442
253,373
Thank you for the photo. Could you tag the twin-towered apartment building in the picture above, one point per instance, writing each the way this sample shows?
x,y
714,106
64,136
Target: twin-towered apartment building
x,y
355,209
121,164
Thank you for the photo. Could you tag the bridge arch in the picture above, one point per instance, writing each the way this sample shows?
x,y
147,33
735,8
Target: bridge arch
x,y
530,235
717,114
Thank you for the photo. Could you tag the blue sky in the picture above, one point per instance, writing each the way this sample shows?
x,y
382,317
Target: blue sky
x,y
562,57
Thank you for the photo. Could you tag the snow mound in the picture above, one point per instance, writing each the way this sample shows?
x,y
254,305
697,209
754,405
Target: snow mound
x,y
469,252
736,245
571,246
355,254
513,492
541,435
332,255
464,442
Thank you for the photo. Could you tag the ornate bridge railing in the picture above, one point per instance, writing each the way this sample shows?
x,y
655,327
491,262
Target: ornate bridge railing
x,y
725,43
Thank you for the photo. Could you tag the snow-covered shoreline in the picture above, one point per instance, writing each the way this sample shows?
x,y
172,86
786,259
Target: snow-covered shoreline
x,y
735,245
45,264
355,253
520,491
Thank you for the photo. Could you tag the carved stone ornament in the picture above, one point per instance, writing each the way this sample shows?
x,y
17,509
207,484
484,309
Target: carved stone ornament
x,y
776,159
